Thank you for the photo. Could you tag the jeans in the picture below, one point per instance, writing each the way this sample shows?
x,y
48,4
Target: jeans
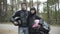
x,y
23,30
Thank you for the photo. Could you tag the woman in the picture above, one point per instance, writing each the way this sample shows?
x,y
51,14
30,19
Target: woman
x,y
31,19
32,16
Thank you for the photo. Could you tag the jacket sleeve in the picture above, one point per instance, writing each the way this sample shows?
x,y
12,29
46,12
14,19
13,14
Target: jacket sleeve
x,y
12,18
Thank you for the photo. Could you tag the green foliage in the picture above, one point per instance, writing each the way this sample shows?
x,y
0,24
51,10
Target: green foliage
x,y
54,17
52,2
9,14
51,16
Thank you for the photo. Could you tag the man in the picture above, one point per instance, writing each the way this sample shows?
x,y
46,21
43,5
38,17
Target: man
x,y
20,19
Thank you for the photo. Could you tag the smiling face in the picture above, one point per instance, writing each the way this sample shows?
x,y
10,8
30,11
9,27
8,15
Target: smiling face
x,y
23,6
32,11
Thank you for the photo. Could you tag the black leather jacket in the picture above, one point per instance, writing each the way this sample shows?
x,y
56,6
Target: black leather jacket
x,y
22,16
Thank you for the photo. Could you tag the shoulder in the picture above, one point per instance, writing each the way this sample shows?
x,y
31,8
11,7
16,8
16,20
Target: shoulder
x,y
28,11
38,17
18,11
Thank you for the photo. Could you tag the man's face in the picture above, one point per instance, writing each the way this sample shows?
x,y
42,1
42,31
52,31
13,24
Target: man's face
x,y
32,11
23,6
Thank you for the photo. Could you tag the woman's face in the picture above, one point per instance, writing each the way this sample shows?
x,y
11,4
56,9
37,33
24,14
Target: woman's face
x,y
32,11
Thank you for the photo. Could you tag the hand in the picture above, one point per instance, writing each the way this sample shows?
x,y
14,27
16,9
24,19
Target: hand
x,y
15,23
39,26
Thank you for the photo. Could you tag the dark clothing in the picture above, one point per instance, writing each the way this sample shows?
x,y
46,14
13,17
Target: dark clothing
x,y
22,17
31,19
44,27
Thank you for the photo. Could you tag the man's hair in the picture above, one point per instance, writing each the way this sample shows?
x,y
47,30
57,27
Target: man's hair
x,y
23,3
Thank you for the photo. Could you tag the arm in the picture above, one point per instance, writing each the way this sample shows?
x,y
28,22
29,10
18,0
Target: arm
x,y
12,19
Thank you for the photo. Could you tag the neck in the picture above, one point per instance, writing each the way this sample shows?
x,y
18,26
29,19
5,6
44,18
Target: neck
x,y
23,9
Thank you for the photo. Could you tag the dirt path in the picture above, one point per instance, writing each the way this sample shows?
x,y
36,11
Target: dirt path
x,y
55,30
11,29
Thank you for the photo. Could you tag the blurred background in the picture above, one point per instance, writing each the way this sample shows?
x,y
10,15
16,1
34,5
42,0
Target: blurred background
x,y
49,10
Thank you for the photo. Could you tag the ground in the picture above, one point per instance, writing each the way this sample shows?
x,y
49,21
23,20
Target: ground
x,y
11,29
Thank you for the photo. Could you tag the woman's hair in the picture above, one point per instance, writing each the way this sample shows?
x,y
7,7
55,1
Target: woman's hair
x,y
33,9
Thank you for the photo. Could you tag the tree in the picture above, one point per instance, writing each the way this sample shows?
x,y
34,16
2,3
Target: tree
x,y
51,14
3,10
52,2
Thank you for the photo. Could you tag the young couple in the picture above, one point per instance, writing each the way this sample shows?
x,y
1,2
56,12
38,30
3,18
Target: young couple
x,y
28,22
